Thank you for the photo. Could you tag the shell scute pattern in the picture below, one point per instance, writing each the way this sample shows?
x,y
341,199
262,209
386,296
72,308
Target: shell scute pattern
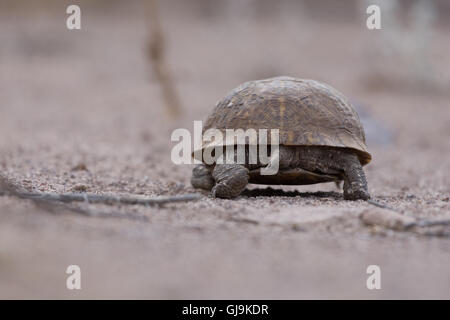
x,y
306,112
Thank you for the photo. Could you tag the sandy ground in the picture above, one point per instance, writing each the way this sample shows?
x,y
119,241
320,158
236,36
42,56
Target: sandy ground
x,y
88,97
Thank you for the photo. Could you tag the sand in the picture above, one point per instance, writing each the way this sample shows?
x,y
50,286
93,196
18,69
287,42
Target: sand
x,y
72,100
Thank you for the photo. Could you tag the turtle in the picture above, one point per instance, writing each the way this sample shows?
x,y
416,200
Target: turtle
x,y
321,138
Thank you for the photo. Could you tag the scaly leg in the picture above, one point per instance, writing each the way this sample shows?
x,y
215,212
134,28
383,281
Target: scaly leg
x,y
355,183
231,180
202,177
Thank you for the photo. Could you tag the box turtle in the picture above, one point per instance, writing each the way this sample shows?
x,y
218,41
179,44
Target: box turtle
x,y
321,138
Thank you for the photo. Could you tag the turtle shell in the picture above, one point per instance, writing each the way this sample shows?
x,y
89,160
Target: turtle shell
x,y
306,113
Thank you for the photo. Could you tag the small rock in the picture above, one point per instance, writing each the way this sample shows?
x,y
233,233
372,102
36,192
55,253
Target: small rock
x,y
385,218
80,167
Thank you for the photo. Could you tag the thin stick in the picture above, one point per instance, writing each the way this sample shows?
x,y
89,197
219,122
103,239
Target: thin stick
x,y
108,199
156,52
381,205
439,234
429,223
54,201
88,212
7,187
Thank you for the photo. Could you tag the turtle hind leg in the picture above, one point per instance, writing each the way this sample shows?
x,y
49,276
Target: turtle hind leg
x,y
231,180
355,183
202,177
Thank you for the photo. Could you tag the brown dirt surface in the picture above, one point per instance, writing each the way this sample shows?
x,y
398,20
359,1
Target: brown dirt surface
x,y
81,111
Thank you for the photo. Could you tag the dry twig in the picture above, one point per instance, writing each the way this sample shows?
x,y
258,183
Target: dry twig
x,y
52,201
156,52
381,205
107,199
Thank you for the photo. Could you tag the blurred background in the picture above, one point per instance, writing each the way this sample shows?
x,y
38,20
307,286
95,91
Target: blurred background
x,y
178,58
107,97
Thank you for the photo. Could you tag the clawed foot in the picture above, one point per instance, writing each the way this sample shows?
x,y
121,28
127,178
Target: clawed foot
x,y
223,191
355,192
202,178
231,180
355,183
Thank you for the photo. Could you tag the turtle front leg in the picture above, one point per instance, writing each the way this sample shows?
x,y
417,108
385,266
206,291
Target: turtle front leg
x,y
355,183
231,180
202,177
